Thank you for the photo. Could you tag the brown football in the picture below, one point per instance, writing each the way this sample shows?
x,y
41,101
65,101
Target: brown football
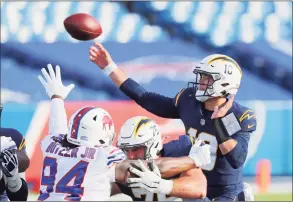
x,y
82,26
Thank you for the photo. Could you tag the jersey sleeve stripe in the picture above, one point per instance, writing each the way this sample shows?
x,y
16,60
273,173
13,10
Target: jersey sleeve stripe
x,y
22,144
116,155
177,97
114,150
109,163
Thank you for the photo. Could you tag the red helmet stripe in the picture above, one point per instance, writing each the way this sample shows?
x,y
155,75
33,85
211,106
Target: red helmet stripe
x,y
77,119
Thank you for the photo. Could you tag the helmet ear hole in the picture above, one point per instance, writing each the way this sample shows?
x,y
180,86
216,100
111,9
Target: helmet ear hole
x,y
225,84
95,118
102,141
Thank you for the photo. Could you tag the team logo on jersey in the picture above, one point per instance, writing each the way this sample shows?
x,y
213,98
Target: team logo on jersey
x,y
107,121
202,122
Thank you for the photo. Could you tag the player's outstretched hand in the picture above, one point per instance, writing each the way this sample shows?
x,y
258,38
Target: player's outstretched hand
x,y
200,154
53,83
222,111
99,55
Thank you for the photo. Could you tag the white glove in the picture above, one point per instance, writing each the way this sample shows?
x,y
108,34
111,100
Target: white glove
x,y
7,143
53,83
201,155
150,180
248,194
9,163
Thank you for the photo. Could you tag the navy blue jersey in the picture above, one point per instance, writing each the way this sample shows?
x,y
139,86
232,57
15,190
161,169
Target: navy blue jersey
x,y
224,173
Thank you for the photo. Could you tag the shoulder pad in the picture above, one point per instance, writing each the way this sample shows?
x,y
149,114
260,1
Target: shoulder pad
x,y
247,121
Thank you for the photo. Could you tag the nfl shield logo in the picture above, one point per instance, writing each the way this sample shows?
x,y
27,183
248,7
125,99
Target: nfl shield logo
x,y
202,122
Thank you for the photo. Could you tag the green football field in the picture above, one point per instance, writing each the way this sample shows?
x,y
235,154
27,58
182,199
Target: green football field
x,y
258,197
274,197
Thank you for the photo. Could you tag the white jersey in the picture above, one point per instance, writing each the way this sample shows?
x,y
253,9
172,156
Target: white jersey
x,y
78,174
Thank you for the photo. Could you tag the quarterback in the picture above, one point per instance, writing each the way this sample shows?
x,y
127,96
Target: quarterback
x,y
208,111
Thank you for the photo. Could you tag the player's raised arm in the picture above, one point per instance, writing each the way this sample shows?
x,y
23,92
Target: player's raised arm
x,y
155,103
57,92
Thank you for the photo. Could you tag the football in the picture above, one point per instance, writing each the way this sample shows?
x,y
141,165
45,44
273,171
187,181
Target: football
x,y
82,26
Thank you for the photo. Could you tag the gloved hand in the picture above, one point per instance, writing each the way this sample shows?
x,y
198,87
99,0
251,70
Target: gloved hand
x,y
53,83
9,163
200,154
150,179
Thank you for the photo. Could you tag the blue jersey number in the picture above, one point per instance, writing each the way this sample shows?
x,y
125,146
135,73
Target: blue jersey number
x,y
77,173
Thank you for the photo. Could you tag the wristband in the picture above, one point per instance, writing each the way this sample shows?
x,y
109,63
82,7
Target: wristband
x,y
226,127
110,68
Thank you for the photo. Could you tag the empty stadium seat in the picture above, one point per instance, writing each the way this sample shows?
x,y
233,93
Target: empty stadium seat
x,y
20,78
43,21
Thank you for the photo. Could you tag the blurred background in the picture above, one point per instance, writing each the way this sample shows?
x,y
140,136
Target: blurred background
x,y
157,44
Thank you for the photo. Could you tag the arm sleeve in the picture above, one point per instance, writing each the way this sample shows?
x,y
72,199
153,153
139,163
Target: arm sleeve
x,y
58,117
155,103
237,156
178,148
21,194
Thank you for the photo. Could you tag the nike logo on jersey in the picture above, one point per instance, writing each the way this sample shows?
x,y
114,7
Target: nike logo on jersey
x,y
250,126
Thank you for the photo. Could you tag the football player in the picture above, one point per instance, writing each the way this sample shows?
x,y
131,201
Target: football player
x,y
208,111
78,158
13,161
140,138
82,153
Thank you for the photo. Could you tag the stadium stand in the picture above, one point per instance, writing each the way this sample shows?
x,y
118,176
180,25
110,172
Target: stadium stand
x,y
32,35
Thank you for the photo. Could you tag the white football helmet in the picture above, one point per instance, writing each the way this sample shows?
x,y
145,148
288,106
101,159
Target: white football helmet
x,y
225,72
91,126
141,131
